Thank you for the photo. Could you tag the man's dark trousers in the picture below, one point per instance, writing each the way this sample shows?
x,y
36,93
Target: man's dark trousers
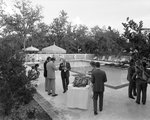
x,y
95,97
65,81
132,88
141,87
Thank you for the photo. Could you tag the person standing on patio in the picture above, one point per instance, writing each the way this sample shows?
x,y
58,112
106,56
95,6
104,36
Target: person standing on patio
x,y
65,67
131,79
141,82
92,63
45,72
98,78
51,68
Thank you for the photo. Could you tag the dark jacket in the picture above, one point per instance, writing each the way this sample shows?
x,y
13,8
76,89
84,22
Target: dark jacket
x,y
98,78
61,66
45,71
131,71
141,81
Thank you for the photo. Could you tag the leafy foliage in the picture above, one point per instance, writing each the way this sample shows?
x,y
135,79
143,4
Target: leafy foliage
x,y
139,41
22,23
15,86
58,27
23,114
26,28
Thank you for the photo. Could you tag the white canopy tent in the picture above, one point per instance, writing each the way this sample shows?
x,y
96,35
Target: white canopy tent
x,y
53,50
32,49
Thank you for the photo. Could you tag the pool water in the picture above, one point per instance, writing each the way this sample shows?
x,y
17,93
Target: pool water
x,y
80,63
116,77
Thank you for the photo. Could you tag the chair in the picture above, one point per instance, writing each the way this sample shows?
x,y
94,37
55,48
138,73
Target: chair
x,y
99,58
95,58
123,62
110,58
116,60
103,58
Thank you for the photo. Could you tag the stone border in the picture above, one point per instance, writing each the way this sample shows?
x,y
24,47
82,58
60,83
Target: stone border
x,y
117,87
48,108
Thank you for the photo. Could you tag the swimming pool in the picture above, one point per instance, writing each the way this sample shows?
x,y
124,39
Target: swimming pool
x,y
116,77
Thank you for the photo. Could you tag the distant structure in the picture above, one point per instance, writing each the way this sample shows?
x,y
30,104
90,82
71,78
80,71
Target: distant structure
x,y
148,29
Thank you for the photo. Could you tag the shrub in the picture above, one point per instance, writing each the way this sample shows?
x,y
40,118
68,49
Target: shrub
x,y
23,114
15,86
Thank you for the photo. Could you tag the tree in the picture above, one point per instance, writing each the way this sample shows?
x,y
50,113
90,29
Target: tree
x,y
58,28
108,41
113,41
22,22
139,42
40,37
91,46
69,39
81,36
67,36
15,86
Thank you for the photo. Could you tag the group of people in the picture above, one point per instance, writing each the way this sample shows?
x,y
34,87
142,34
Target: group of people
x,y
49,74
98,77
138,77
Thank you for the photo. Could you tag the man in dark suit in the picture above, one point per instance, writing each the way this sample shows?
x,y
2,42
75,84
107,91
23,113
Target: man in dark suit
x,y
45,72
131,79
98,78
141,83
65,67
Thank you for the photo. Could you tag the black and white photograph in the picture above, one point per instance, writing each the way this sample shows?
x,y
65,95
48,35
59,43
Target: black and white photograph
x,y
74,59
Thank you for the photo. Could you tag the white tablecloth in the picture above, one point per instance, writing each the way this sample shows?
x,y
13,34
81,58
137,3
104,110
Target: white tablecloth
x,y
78,97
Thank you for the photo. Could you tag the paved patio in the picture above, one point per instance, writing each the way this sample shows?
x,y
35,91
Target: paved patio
x,y
117,105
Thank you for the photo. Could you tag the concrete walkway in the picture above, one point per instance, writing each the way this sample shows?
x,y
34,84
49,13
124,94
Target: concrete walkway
x,y
117,105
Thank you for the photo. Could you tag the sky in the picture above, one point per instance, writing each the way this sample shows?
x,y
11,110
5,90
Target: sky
x,y
96,12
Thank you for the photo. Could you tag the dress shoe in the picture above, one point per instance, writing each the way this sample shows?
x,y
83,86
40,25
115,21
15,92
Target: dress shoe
x,y
49,93
131,97
46,90
64,91
54,95
143,103
100,110
137,102
95,113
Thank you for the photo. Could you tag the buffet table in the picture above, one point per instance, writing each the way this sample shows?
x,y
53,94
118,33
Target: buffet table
x,y
78,97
